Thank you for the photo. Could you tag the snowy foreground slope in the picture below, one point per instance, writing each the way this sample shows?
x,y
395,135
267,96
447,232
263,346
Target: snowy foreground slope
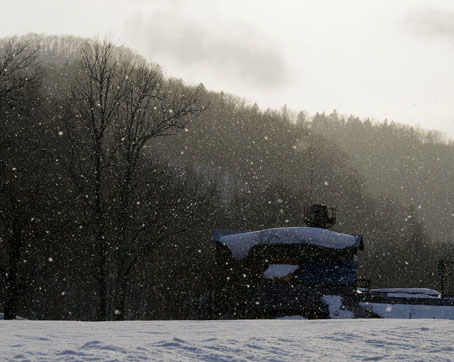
x,y
246,340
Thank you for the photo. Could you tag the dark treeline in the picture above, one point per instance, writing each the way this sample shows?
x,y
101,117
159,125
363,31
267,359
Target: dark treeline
x,y
112,179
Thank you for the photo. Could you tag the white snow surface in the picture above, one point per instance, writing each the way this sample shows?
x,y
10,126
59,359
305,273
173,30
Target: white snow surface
x,y
409,292
279,270
410,311
247,340
292,317
336,308
410,295
240,244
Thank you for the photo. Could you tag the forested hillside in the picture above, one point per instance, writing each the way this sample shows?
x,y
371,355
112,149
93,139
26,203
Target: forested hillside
x,y
113,177
410,165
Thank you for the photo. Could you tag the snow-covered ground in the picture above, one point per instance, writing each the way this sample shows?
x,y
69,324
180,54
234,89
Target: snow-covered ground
x,y
410,311
246,340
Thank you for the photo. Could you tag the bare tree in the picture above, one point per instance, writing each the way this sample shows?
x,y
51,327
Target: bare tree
x,y
119,103
19,192
17,71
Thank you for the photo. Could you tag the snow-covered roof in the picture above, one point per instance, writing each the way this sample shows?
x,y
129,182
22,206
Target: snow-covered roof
x,y
240,244
408,292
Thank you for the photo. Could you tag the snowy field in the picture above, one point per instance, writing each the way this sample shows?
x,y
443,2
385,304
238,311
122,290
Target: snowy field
x,y
264,340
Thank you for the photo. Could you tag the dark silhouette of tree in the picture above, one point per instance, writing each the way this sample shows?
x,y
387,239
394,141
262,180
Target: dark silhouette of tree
x,y
21,180
119,103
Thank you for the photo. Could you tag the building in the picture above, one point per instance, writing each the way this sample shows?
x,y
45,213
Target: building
x,y
282,271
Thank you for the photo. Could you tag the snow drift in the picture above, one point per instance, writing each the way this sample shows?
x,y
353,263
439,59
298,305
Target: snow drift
x,y
247,340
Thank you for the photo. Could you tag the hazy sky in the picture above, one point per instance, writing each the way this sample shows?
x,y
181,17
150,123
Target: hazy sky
x,y
389,59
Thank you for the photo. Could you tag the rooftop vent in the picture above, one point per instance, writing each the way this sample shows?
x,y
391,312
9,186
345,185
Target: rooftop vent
x,y
320,216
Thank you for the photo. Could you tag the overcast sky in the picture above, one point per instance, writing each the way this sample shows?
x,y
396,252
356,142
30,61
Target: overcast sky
x,y
389,59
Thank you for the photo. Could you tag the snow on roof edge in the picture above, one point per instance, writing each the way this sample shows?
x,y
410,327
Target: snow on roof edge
x,y
241,243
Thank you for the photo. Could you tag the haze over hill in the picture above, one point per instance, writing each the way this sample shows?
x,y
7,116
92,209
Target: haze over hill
x,y
379,60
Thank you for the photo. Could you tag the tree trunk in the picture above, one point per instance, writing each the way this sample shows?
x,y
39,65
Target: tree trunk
x,y
101,281
121,248
100,242
12,288
120,299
